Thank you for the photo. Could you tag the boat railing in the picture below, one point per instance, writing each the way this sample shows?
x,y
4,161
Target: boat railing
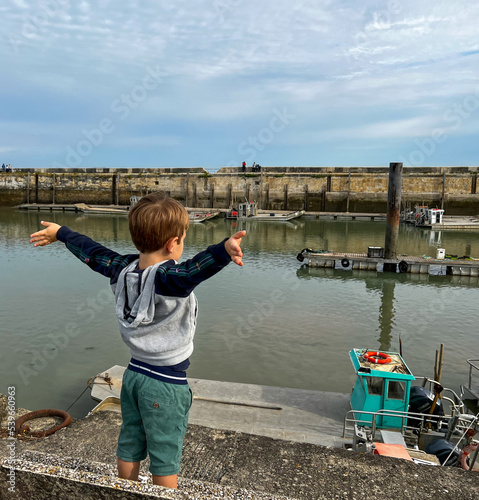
x,y
369,419
471,366
446,394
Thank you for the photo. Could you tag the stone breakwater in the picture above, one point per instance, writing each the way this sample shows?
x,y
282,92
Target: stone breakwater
x,y
330,189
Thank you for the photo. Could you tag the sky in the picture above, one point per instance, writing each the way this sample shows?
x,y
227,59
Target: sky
x,y
212,83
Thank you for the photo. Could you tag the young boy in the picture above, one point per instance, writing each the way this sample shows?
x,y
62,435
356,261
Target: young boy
x,y
156,310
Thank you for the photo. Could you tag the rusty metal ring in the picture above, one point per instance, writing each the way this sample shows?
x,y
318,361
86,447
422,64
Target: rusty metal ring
x,y
20,428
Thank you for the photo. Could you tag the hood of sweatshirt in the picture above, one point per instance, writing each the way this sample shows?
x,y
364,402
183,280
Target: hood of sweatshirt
x,y
135,295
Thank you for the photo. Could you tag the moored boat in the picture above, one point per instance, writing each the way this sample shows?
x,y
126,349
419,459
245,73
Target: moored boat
x,y
249,211
391,412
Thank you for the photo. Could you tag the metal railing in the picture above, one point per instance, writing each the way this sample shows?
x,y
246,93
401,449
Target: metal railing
x,y
471,366
353,417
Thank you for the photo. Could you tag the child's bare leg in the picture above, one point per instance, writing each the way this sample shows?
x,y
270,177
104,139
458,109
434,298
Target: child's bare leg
x,y
128,470
167,481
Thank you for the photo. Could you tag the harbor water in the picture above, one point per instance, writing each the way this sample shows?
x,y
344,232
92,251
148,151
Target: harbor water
x,y
272,322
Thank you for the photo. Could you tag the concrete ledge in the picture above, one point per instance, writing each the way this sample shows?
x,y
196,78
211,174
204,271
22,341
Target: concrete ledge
x,y
220,458
42,477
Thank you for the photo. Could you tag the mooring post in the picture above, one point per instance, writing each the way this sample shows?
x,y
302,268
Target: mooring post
x,y
394,205
349,191
117,192
113,189
195,197
212,195
36,188
443,189
28,188
229,195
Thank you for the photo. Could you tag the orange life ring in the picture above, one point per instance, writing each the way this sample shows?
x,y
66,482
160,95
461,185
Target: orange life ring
x,y
377,357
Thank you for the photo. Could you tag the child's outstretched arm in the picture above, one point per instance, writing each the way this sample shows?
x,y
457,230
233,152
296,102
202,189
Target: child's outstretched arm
x,y
45,236
95,256
232,246
179,280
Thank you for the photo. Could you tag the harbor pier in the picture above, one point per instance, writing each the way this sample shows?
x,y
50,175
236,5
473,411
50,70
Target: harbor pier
x,y
401,264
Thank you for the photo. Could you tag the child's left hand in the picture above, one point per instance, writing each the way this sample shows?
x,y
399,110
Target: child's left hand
x,y
233,248
45,236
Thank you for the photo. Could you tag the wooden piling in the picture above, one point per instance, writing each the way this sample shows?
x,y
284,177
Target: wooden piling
x,y
212,195
349,191
36,188
393,213
195,197
113,190
28,188
443,189
285,197
117,192
266,197
229,195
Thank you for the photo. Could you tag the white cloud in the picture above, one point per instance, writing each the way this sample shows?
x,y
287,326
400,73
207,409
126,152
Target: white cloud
x,y
397,66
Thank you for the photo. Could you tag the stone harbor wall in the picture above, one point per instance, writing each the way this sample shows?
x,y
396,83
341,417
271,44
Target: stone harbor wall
x,y
325,189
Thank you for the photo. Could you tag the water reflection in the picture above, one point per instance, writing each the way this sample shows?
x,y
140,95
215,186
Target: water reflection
x,y
384,284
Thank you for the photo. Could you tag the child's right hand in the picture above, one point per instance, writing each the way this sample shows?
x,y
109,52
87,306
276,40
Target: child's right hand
x,y
45,236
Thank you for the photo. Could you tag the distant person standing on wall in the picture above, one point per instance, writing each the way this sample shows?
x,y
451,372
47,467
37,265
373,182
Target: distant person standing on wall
x,y
244,166
3,167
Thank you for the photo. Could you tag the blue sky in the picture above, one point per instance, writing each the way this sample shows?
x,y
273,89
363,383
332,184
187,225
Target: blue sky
x,y
213,83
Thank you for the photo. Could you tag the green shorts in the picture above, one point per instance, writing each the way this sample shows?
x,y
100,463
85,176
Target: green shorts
x,y
155,417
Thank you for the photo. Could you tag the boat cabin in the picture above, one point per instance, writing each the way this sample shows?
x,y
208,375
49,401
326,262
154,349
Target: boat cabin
x,y
247,209
383,382
426,216
434,215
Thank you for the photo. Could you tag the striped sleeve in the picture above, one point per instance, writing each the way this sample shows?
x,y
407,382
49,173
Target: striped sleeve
x,y
179,280
97,257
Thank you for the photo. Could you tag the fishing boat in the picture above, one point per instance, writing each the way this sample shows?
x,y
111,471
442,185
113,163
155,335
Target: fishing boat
x,y
390,411
397,414
249,211
101,209
201,216
435,218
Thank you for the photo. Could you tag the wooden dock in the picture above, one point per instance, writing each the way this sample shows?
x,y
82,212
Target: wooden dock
x,y
76,207
457,224
346,215
402,264
196,215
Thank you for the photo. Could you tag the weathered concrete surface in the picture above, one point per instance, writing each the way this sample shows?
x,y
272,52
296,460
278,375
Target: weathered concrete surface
x,y
297,470
42,477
